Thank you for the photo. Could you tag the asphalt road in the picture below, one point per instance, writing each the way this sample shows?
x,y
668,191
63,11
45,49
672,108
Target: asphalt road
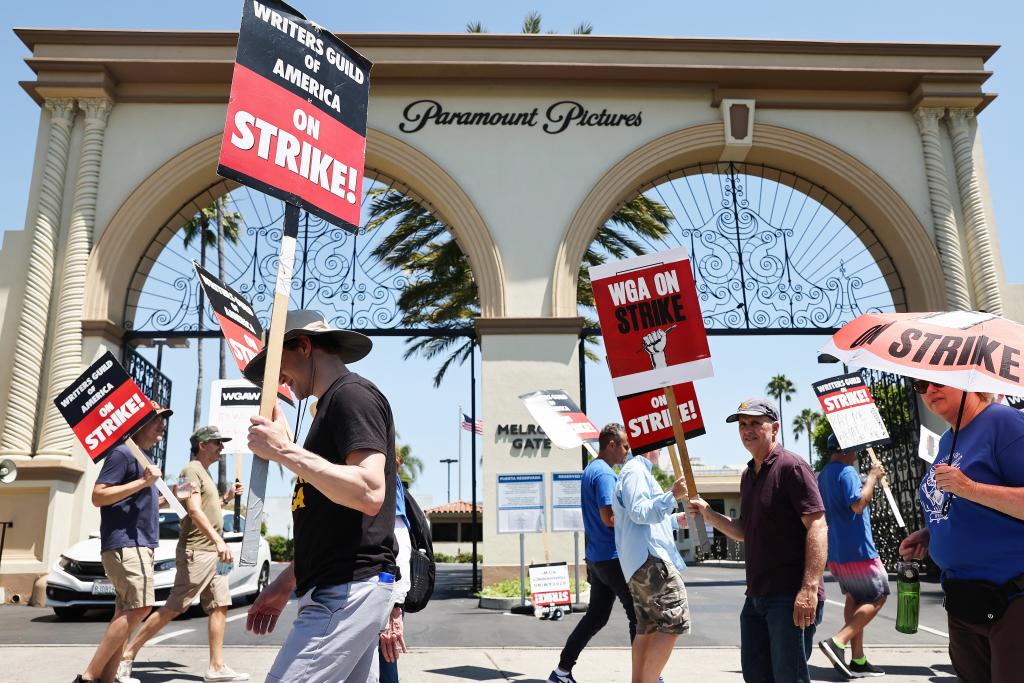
x,y
453,619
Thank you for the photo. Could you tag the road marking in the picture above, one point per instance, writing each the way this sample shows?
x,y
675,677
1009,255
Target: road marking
x,y
236,617
919,626
172,634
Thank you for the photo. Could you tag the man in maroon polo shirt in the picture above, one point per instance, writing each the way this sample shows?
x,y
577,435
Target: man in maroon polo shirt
x,y
782,523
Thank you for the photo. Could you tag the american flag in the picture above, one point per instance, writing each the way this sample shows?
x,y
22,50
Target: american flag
x,y
470,426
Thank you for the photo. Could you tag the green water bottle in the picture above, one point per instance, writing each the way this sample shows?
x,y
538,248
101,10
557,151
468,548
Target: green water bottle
x,y
908,590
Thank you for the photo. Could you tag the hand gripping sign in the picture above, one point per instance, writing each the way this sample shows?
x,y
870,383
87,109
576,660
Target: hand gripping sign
x,y
855,420
104,407
654,335
296,120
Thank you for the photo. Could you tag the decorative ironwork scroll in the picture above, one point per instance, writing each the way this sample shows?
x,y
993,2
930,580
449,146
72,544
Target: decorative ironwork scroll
x,y
335,272
154,384
772,251
897,403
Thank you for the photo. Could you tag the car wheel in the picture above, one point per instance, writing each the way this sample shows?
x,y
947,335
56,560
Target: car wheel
x,y
69,612
261,582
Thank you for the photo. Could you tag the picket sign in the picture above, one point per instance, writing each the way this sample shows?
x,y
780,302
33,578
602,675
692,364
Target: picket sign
x,y
654,335
318,119
104,407
851,412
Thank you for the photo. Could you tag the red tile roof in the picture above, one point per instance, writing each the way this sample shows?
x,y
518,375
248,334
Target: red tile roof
x,y
456,507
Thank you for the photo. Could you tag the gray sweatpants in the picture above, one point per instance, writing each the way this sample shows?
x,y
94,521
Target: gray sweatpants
x,y
334,637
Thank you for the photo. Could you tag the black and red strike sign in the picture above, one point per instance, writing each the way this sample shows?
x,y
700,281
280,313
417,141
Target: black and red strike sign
x,y
651,322
296,123
103,406
242,330
648,422
851,411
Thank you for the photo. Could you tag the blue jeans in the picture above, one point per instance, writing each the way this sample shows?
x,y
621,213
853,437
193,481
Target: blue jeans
x,y
772,649
388,670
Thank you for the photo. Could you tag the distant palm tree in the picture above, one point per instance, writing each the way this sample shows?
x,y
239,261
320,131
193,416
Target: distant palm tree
x,y
805,422
211,225
780,387
410,466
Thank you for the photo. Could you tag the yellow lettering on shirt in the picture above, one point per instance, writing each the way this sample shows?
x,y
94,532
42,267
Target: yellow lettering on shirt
x,y
298,499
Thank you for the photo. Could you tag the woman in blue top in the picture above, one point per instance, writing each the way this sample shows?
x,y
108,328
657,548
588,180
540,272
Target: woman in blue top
x,y
979,543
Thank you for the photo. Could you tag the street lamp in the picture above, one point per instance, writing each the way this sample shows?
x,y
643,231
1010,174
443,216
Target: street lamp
x,y
449,462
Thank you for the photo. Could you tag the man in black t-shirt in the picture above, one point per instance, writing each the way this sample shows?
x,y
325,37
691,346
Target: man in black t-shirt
x,y
343,508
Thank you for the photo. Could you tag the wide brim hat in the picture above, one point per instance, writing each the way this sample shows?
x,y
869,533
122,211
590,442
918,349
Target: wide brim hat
x,y
303,323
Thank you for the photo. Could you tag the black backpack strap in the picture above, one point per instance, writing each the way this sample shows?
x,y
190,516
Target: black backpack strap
x,y
419,529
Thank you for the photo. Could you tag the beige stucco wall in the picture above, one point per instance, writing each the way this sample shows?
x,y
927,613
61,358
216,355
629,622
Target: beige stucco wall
x,y
521,188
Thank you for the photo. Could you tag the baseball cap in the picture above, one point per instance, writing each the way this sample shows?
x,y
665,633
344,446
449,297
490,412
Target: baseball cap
x,y
160,411
208,433
758,405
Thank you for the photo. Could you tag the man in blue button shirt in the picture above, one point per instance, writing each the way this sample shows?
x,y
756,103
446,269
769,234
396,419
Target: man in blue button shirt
x,y
648,555
603,570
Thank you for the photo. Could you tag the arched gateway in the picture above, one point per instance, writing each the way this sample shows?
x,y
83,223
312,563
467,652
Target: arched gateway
x,y
523,146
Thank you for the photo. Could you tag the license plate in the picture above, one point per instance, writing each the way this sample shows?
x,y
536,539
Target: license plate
x,y
102,588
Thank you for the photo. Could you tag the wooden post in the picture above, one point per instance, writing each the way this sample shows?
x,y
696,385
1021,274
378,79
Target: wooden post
x,y
268,398
681,466
888,494
161,485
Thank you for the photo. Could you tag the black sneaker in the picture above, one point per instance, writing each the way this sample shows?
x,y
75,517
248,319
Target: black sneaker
x,y
835,655
865,670
79,679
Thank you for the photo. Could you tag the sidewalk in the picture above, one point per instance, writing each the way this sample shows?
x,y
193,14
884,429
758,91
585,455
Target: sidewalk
x,y
61,663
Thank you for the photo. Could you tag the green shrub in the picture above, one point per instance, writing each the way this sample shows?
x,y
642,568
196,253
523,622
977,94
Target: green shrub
x,y
442,558
509,588
281,549
466,558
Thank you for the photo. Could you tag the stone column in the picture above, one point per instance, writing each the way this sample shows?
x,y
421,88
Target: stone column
x,y
947,236
65,364
980,259
23,397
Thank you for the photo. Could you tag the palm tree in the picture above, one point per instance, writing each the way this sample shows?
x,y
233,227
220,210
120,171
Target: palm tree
x,y
442,292
199,227
805,422
780,387
409,466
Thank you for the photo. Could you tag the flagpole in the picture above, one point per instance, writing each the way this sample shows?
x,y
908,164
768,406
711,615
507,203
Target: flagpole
x,y
460,450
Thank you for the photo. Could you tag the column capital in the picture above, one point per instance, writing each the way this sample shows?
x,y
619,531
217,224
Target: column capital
x,y
62,109
928,118
961,115
98,108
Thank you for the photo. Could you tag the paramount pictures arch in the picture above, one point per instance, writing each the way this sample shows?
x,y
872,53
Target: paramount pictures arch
x,y
130,126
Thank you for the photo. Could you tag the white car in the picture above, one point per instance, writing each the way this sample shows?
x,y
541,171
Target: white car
x,y
77,581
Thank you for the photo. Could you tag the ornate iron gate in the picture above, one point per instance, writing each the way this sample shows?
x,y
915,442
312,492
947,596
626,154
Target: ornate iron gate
x,y
897,404
156,385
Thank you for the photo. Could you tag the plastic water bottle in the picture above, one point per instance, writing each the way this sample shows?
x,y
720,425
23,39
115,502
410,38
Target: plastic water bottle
x,y
224,568
387,577
908,590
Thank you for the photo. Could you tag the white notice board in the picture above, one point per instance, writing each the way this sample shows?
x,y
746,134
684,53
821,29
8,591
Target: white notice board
x,y
520,503
566,507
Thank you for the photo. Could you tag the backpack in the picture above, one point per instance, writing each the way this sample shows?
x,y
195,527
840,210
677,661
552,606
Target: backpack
x,y
421,559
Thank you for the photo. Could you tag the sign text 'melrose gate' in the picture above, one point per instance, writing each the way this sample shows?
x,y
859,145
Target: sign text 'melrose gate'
x,y
296,121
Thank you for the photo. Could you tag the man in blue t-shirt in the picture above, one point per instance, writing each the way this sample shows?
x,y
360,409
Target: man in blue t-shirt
x,y
129,531
603,570
852,557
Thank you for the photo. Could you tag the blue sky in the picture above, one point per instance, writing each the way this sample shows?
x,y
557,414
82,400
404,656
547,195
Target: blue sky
x,y
427,418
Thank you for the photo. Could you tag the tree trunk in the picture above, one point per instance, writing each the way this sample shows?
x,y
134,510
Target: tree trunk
x,y
222,465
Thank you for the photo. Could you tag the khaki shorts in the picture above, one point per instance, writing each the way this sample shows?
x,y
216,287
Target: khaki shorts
x,y
130,570
659,598
196,574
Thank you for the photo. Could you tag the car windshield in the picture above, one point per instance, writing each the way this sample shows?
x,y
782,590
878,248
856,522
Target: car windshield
x,y
170,525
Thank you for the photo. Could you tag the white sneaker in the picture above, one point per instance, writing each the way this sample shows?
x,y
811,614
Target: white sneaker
x,y
124,672
225,673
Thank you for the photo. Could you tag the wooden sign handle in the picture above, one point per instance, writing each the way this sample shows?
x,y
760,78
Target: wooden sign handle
x,y
684,455
888,493
161,485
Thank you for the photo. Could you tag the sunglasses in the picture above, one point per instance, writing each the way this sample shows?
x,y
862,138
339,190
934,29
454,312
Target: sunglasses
x,y
921,385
